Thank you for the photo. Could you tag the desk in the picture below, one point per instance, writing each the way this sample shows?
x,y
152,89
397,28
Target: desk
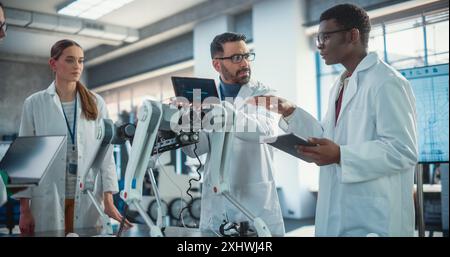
x,y
138,230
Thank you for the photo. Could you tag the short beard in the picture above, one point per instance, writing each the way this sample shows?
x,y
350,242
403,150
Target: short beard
x,y
235,78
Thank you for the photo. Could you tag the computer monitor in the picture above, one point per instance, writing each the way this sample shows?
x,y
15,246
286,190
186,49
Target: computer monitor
x,y
185,86
430,87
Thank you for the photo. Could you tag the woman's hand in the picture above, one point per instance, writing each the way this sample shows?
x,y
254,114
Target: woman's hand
x,y
111,210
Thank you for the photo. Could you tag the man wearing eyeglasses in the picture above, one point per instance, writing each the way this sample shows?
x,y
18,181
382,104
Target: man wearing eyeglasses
x,y
366,144
251,171
3,26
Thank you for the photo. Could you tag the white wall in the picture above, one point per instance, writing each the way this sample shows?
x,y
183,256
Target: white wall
x,y
285,62
204,33
18,80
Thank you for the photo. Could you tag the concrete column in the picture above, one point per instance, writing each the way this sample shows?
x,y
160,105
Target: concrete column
x,y
19,80
204,33
285,62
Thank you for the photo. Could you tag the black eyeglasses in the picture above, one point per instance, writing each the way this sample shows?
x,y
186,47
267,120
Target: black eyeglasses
x,y
4,27
323,36
237,58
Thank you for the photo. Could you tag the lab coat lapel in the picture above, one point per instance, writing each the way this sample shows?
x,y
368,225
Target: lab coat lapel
x,y
349,93
80,127
51,90
329,119
352,87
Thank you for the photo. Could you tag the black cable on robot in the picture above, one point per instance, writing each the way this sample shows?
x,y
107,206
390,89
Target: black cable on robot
x,y
190,183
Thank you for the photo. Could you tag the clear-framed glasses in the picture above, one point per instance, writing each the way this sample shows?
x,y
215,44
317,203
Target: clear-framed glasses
x,y
324,36
237,58
4,26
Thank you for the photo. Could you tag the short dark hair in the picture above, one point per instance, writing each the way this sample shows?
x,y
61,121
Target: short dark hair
x,y
2,6
219,40
350,16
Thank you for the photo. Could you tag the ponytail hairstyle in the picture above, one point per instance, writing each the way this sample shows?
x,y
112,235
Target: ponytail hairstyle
x,y
88,99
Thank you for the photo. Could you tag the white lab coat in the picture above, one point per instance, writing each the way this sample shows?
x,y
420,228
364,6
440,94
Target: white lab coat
x,y
371,191
43,115
250,174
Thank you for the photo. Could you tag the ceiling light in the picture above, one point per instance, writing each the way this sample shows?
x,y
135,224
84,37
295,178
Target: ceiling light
x,y
91,9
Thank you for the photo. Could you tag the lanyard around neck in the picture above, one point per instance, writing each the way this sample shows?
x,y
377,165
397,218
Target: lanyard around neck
x,y
71,131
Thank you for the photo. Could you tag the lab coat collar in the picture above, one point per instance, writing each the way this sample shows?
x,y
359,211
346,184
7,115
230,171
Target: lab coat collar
x,y
51,90
370,60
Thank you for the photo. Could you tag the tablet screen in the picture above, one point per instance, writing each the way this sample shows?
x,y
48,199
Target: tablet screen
x,y
185,86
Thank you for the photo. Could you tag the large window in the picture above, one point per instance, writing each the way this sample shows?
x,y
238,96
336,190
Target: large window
x,y
408,43
122,103
405,45
437,38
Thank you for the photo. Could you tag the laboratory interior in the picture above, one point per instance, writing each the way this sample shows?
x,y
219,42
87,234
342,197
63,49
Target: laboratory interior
x,y
224,118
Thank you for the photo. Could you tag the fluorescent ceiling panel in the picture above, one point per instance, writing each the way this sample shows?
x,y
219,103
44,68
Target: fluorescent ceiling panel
x,y
92,9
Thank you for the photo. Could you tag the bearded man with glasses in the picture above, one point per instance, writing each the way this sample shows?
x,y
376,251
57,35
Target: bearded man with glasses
x,y
251,170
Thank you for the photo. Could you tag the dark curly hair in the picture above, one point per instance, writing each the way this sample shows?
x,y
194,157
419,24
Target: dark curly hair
x,y
350,16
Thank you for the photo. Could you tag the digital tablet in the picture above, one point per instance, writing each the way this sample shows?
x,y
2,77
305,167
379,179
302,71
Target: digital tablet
x,y
287,143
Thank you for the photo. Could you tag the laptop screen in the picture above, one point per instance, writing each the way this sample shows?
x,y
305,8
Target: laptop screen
x,y
28,158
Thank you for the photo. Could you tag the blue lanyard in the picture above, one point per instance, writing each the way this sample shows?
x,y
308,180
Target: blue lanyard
x,y
72,132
